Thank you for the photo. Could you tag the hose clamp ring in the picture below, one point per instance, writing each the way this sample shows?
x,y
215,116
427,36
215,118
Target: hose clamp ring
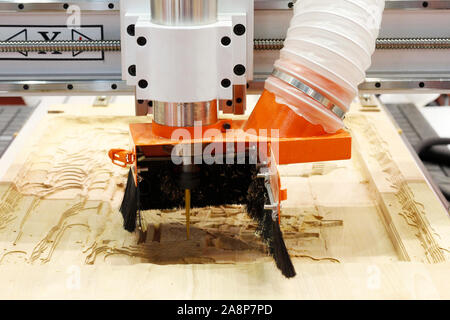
x,y
310,92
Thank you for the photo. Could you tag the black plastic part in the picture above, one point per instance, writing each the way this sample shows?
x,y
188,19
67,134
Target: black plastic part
x,y
189,177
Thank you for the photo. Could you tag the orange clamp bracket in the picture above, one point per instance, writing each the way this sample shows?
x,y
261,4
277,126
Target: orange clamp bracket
x,y
121,157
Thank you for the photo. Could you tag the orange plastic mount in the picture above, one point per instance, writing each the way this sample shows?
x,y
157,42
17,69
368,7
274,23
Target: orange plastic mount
x,y
122,158
326,147
296,140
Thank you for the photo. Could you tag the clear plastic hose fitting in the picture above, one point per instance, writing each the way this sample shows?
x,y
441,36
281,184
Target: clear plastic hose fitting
x,y
327,51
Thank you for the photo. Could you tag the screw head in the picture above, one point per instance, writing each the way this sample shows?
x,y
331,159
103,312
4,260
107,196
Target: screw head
x,y
131,30
226,83
225,41
143,84
142,41
239,70
132,70
239,29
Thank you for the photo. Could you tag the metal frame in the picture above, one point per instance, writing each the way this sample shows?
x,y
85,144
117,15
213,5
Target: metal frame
x,y
58,5
274,4
377,81
418,5
411,84
371,85
390,5
100,5
113,87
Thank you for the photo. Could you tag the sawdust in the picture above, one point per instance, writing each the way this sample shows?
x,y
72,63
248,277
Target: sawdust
x,y
410,209
8,203
46,228
60,167
61,211
67,193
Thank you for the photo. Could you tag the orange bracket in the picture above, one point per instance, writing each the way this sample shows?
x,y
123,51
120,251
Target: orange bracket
x,y
122,158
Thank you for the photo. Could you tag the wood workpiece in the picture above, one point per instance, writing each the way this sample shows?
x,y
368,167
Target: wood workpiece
x,y
370,227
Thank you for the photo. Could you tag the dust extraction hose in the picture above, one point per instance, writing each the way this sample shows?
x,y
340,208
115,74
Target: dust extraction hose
x,y
326,53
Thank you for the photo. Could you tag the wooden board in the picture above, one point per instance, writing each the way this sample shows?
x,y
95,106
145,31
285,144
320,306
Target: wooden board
x,y
370,227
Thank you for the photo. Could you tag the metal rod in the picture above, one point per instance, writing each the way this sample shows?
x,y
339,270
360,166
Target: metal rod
x,y
382,43
183,12
185,114
259,44
413,43
60,46
268,44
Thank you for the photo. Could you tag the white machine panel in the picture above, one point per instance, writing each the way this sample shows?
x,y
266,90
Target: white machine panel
x,y
50,65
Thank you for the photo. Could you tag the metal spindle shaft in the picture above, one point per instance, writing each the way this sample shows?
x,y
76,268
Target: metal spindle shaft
x,y
382,43
259,44
60,46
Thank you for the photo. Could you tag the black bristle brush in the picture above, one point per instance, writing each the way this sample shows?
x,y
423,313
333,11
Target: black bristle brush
x,y
130,204
268,229
221,185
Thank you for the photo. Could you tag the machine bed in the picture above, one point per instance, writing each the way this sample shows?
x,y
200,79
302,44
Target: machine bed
x,y
371,227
